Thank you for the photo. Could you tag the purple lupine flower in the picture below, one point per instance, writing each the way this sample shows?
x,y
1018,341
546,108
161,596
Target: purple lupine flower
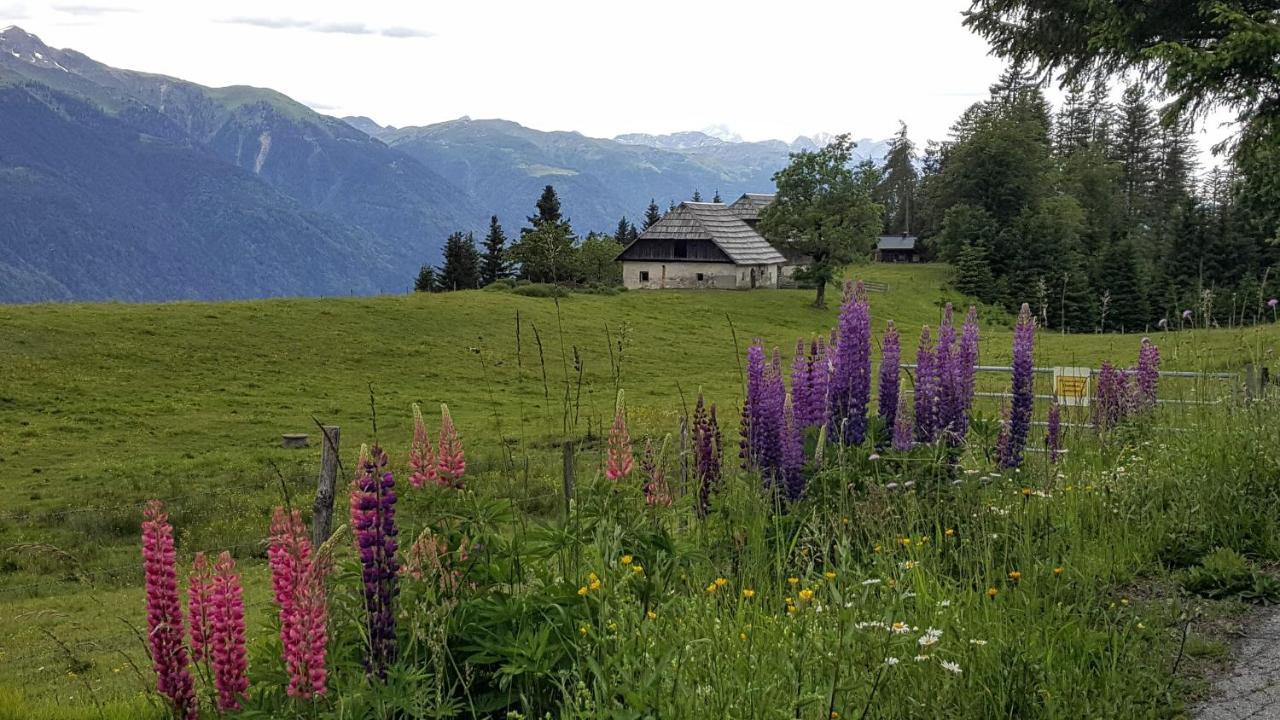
x,y
966,372
902,427
944,376
800,390
750,443
1147,375
1272,303
765,397
850,390
1053,433
1019,424
819,379
1186,316
890,359
1112,397
926,392
706,431
373,514
793,455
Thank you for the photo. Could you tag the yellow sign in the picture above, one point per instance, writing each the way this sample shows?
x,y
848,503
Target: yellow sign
x,y
1071,385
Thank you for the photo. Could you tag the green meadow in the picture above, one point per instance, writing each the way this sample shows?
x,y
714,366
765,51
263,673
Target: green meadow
x,y
104,406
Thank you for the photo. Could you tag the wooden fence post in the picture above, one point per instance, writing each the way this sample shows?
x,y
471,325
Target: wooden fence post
x,y
1250,383
568,477
322,517
684,455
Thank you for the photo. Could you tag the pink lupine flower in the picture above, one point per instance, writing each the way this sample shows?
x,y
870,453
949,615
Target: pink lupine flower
x,y
164,612
297,579
226,649
453,463
199,587
422,453
619,461
656,490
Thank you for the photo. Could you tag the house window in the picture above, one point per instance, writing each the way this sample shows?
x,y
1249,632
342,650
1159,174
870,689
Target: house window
x,y
701,277
681,249
644,276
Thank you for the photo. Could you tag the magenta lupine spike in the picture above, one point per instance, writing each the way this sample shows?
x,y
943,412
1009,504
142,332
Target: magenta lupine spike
x,y
199,586
227,653
453,461
1019,424
800,375
947,409
422,453
966,371
165,631
1002,440
1113,397
297,579
926,391
656,490
1147,375
902,430
849,393
1053,432
618,459
373,511
890,359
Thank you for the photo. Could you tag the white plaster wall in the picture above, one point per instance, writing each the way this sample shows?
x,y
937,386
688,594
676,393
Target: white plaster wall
x,y
685,275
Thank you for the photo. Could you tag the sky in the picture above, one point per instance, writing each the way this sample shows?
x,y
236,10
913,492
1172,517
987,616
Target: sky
x,y
760,71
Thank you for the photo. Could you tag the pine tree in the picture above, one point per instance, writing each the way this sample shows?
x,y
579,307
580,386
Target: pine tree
x,y
697,196
651,214
1136,150
973,273
1119,279
1074,131
494,266
548,209
1101,117
623,234
426,281
671,205
461,269
717,199
897,189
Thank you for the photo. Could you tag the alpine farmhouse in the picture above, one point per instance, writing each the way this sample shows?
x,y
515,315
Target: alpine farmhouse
x,y
705,245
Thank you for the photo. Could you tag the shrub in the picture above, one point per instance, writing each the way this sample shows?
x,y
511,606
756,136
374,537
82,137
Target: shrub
x,y
500,285
541,290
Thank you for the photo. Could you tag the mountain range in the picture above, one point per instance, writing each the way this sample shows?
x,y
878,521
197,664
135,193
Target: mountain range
x,y
124,185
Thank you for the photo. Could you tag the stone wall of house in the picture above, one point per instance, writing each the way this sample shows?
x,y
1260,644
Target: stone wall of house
x,y
654,275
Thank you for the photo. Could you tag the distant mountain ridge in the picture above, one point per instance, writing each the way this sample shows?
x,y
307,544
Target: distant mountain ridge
x,y
117,184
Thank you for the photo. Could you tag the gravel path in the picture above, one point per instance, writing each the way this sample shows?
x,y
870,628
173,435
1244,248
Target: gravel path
x,y
1252,689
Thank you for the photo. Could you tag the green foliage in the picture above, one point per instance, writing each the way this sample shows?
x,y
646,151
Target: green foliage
x,y
651,214
494,265
1224,573
541,290
597,260
897,188
426,280
825,210
461,269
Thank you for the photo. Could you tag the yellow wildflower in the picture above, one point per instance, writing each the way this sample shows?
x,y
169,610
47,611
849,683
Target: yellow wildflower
x,y
992,592
791,609
626,559
793,581
595,584
721,582
806,594
748,593
742,637
830,575
1026,492
876,549
711,588
583,591
1015,576
584,630
651,615
950,532
1057,571
637,569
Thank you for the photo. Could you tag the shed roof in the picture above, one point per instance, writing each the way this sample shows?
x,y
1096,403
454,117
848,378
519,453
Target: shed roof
x,y
715,222
750,205
896,242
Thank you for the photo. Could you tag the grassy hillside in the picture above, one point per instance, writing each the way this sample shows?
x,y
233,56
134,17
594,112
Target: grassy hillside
x,y
106,405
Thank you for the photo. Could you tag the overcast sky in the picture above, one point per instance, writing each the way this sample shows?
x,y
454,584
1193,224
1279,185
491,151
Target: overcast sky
x,y
772,70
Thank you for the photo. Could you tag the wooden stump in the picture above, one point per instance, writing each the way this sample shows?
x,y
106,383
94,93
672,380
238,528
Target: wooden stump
x,y
293,440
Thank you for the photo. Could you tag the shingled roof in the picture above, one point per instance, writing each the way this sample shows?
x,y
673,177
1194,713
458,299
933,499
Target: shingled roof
x,y
750,205
719,224
896,242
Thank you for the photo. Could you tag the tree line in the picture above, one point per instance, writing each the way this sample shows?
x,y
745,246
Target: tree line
x,y
1093,213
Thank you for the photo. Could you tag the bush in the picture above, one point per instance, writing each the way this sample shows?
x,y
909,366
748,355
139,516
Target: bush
x,y
502,285
541,290
599,289
1225,573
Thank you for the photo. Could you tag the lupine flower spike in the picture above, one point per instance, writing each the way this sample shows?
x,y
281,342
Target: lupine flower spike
x,y
199,587
453,463
1112,398
422,453
947,410
1053,433
902,430
890,359
1019,424
926,390
227,647
966,371
297,579
800,377
1147,374
656,490
849,393
619,460
373,514
709,454
164,612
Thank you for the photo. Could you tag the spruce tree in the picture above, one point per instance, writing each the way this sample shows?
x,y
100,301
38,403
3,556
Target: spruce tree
x,y
548,207
973,273
717,199
494,266
697,196
897,188
426,281
623,234
1119,278
1136,144
461,269
651,214
1074,130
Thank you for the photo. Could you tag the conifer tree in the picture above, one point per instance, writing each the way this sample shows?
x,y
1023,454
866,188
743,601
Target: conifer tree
x,y
717,199
1136,151
623,234
494,265
651,214
461,269
973,273
1119,279
548,207
897,189
426,281
1074,129
697,196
